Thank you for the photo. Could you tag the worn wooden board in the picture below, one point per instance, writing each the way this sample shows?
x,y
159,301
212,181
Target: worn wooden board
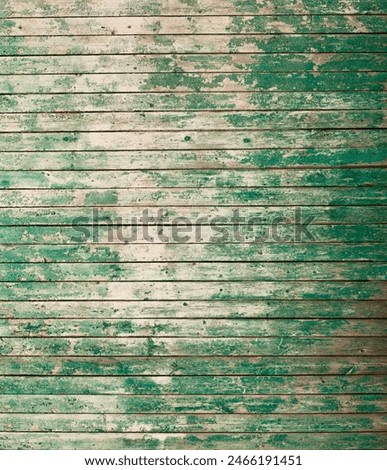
x,y
193,178
175,252
204,441
204,271
135,160
201,120
144,366
193,102
193,224
195,82
221,309
193,140
186,44
56,8
265,24
195,385
172,64
190,328
190,423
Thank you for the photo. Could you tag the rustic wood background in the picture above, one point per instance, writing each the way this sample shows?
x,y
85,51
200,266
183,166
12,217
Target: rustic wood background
x,y
199,107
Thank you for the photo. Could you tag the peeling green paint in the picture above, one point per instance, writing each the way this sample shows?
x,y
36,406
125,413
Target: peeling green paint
x,y
106,110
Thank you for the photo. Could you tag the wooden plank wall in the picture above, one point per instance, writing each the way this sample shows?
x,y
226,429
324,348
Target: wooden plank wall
x,y
200,108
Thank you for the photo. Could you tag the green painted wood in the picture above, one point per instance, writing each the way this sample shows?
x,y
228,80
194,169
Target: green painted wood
x,y
56,8
204,441
232,63
266,441
191,328
164,290
268,24
73,122
194,178
250,234
191,366
202,140
135,160
93,253
181,44
191,423
183,404
198,109
180,385
195,82
193,140
192,101
347,211
322,309
208,235
323,271
148,346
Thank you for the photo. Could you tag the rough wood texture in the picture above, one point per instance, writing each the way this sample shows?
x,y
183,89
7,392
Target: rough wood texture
x,y
257,130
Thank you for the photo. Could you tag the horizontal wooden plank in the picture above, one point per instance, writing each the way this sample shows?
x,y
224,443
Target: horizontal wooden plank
x,y
266,441
192,178
187,231
110,366
192,140
189,63
179,160
144,102
199,120
186,44
56,8
184,404
200,290
200,215
178,385
193,328
193,25
323,309
100,253
194,82
133,423
191,272
267,346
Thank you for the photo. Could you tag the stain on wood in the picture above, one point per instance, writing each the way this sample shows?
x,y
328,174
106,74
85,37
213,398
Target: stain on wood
x,y
259,129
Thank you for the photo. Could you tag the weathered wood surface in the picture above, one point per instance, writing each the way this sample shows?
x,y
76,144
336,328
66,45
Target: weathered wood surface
x,y
171,67
251,234
201,120
190,328
190,423
42,207
180,252
144,366
135,160
56,8
204,271
221,309
184,404
244,123
193,102
194,385
195,82
244,290
204,441
193,178
268,24
185,44
194,140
